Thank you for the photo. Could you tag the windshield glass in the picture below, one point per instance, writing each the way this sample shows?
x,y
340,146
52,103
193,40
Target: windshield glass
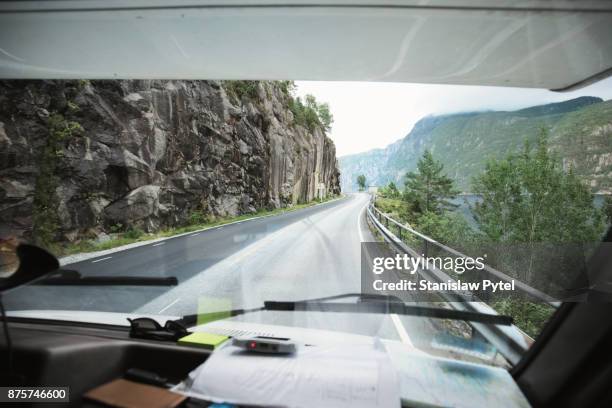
x,y
475,199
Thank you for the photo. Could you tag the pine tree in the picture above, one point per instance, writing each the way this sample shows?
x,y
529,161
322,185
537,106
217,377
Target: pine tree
x,y
429,189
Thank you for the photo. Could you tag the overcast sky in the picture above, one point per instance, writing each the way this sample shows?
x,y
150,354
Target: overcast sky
x,y
368,115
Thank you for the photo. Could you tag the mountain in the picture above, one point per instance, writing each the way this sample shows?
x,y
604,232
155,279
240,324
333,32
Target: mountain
x,y
92,155
580,132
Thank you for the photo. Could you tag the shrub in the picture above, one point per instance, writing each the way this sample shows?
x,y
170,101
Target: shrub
x,y
133,233
242,89
198,217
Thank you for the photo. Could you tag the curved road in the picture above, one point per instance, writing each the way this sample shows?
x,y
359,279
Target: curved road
x,y
309,253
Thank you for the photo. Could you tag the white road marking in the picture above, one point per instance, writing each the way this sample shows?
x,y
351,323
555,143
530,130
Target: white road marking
x,y
159,243
399,327
67,260
194,235
359,225
101,259
168,306
401,330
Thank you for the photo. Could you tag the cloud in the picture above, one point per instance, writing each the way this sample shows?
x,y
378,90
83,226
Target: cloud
x,y
370,115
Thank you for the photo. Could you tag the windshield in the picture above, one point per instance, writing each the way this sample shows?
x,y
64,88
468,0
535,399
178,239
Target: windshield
x,y
478,199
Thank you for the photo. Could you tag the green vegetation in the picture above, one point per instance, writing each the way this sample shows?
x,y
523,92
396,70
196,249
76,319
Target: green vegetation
x,y
287,88
133,233
310,113
607,209
448,228
429,189
72,107
361,181
307,113
198,217
197,222
390,191
579,131
425,206
241,89
528,316
527,198
45,219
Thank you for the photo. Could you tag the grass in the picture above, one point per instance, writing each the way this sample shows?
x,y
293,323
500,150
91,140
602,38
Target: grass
x,y
133,235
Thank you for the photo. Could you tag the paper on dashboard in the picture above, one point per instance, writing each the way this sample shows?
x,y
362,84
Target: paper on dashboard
x,y
352,376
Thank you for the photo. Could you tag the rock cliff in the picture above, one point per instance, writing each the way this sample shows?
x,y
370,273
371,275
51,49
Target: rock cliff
x,y
79,158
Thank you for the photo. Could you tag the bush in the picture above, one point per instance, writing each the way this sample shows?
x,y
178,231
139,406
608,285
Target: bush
x,y
389,191
242,89
133,233
61,129
198,217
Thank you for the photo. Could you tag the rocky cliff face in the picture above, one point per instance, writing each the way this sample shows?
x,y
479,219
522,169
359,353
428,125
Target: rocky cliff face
x,y
91,156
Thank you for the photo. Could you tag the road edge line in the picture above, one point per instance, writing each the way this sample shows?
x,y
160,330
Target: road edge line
x,y
89,255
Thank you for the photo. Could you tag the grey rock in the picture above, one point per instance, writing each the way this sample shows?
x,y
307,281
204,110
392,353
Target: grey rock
x,y
153,152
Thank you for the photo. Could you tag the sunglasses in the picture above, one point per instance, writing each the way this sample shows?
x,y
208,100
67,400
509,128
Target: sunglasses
x,y
145,327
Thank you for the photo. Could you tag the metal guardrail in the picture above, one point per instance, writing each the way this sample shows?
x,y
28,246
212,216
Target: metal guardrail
x,y
510,341
523,287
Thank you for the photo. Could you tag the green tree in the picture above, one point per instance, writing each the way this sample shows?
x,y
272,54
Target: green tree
x,y
390,191
429,189
530,198
287,87
449,228
325,116
310,113
361,182
45,218
607,208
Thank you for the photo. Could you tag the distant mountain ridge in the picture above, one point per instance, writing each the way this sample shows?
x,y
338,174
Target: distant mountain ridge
x,y
580,132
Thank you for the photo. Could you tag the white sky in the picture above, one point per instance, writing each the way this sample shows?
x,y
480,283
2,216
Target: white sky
x,y
368,115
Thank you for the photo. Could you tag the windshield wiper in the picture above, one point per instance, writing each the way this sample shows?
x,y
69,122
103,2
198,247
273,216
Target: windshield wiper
x,y
74,278
375,304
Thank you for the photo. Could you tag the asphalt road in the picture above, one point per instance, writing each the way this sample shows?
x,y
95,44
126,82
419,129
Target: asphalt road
x,y
309,253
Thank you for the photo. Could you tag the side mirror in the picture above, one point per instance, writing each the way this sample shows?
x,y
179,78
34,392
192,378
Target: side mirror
x,y
33,262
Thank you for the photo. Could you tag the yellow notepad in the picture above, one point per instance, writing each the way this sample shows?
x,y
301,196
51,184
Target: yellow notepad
x,y
201,339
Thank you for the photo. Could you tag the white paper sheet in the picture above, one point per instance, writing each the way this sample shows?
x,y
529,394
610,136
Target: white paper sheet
x,y
360,376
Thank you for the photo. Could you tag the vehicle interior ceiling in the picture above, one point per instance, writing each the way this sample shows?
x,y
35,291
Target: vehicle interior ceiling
x,y
525,44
